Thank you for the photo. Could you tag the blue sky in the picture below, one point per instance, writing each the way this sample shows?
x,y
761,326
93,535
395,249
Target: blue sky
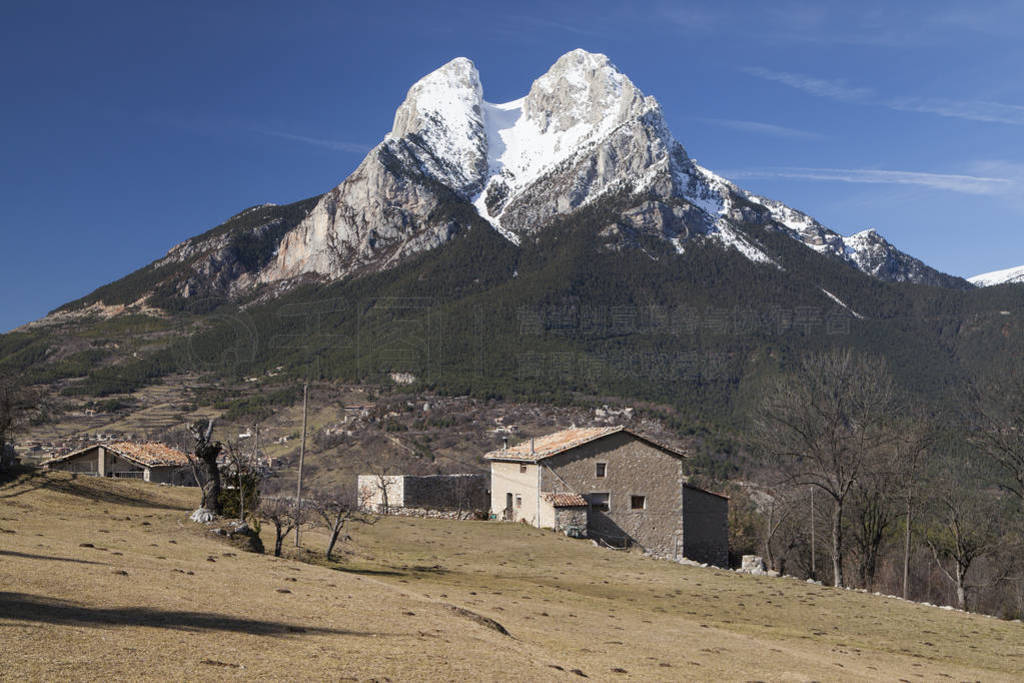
x,y
128,127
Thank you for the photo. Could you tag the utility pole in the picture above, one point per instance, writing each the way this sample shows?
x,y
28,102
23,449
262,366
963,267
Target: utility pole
x,y
906,551
302,456
814,572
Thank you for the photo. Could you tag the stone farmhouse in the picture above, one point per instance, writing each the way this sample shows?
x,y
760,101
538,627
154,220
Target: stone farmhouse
x,y
613,485
152,462
430,492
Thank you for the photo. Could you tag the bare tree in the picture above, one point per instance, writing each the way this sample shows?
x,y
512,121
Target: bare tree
x,y
284,514
204,456
13,405
914,440
999,427
245,471
872,514
334,509
778,508
383,485
965,530
823,423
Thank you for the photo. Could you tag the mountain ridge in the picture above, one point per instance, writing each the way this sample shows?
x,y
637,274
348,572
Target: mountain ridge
x,y
998,277
582,132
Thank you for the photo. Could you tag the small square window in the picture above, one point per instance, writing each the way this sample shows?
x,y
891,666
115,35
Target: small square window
x,y
522,469
600,501
601,469
519,501
638,502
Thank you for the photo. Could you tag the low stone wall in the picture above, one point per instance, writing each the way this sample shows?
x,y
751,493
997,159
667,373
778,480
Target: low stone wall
x,y
435,514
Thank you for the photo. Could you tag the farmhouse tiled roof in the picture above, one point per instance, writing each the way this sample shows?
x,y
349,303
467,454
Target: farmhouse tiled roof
x,y
565,500
151,454
567,439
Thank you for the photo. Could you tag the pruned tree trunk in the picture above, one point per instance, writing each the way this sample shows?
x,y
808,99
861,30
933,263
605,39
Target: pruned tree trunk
x,y
333,540
837,544
206,454
961,588
279,533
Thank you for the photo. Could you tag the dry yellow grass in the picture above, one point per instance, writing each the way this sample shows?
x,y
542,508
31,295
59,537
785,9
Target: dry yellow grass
x,y
157,598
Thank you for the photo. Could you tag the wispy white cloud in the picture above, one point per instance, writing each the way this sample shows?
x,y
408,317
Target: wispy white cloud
x,y
692,18
336,145
765,129
972,110
517,22
951,182
832,89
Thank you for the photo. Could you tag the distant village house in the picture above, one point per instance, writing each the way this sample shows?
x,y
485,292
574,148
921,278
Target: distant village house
x,y
614,485
153,462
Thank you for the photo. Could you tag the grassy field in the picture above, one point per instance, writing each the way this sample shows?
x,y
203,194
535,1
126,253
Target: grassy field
x,y
107,579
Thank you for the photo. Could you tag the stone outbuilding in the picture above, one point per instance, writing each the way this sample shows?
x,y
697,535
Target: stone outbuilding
x,y
390,492
621,487
153,462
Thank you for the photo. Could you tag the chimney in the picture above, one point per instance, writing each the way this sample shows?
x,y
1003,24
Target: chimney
x,y
504,443
532,452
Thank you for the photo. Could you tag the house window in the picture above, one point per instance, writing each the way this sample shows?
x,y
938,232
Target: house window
x,y
638,502
519,501
600,502
601,469
522,469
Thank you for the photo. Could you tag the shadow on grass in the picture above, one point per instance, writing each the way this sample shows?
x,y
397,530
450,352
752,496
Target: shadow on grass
x,y
90,488
30,556
25,607
368,572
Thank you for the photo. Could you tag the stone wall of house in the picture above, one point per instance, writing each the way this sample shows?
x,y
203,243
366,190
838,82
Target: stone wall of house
x,y
176,476
632,468
571,521
517,481
85,463
447,492
705,527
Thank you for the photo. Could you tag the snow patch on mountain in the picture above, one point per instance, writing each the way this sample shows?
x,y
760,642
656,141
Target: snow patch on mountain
x,y
998,277
839,301
730,237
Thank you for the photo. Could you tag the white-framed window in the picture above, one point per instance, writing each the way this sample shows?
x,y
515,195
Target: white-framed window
x,y
638,502
519,501
601,470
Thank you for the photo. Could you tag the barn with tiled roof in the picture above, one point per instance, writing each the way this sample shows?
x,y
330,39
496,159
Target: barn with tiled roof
x,y
150,461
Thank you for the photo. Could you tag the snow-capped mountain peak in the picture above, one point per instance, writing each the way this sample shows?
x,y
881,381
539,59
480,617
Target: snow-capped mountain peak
x,y
444,111
580,100
582,132
582,91
998,277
